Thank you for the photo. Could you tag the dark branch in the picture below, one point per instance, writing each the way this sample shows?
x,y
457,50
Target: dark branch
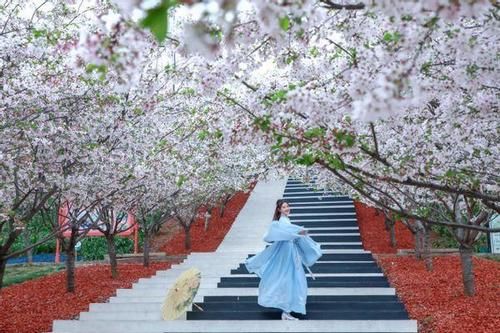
x,y
337,6
406,214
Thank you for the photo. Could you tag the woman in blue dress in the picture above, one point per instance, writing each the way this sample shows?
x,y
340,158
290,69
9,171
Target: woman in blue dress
x,y
283,282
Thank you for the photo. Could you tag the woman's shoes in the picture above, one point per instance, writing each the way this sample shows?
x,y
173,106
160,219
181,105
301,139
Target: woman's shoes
x,y
287,316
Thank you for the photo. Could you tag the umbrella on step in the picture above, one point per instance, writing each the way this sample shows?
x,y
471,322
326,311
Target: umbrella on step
x,y
181,295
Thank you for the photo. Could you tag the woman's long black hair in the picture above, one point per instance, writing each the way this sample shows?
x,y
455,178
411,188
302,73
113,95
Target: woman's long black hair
x,y
277,213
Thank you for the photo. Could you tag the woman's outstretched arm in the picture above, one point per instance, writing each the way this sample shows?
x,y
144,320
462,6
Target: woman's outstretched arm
x,y
282,232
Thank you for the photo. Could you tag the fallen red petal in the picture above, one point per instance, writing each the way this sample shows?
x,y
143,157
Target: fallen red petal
x,y
373,234
436,299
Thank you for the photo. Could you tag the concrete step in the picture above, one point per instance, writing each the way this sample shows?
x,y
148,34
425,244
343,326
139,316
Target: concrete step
x,y
303,192
242,271
158,286
237,256
334,229
332,300
161,288
156,290
218,253
222,326
319,282
312,298
326,223
339,244
341,247
201,263
245,252
312,233
317,275
310,197
215,269
332,218
338,269
318,198
321,203
333,210
307,189
208,262
329,222
166,281
259,247
340,238
374,291
300,185
307,195
336,239
275,314
125,307
341,255
324,233
230,312
208,258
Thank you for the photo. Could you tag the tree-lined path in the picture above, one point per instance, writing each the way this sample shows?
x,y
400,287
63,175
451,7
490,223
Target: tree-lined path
x,y
350,294
151,111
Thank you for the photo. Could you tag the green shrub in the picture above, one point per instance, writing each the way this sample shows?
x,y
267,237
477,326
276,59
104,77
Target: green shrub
x,y
37,230
95,248
446,240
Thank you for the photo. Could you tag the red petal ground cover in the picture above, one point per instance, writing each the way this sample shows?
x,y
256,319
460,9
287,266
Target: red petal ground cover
x,y
373,234
436,299
207,241
31,306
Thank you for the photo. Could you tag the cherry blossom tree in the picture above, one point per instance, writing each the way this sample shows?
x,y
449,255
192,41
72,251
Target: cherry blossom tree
x,y
36,103
394,102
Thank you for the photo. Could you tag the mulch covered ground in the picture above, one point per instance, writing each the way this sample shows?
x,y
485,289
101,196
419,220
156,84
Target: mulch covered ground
x,y
207,241
373,234
436,299
31,306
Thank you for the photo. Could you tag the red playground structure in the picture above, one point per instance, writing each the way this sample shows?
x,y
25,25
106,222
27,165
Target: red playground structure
x,y
127,226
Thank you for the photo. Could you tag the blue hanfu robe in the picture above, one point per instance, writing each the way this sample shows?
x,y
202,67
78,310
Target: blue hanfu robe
x,y
283,282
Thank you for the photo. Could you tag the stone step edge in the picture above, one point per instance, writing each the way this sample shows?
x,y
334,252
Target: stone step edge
x,y
223,326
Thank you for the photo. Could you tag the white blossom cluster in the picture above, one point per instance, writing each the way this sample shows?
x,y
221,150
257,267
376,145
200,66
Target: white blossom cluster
x,y
401,96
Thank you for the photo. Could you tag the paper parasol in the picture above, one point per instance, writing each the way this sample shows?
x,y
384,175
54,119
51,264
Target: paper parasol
x,y
181,295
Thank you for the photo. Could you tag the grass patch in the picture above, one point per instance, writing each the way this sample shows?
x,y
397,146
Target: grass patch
x,y
20,273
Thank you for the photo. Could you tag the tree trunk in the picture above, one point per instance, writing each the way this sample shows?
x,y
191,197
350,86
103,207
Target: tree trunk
x,y
418,243
387,222
3,265
112,255
222,208
146,249
467,270
27,243
208,215
187,241
223,205
427,247
70,265
392,235
389,226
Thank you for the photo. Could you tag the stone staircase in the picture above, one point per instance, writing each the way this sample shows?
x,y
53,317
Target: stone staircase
x,y
350,293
